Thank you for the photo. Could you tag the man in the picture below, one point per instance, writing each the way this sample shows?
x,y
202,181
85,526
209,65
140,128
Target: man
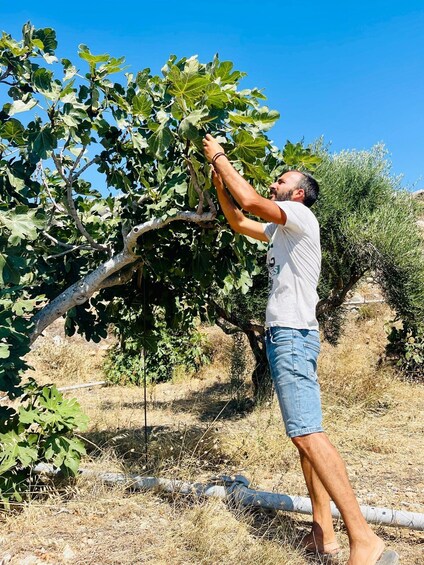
x,y
292,339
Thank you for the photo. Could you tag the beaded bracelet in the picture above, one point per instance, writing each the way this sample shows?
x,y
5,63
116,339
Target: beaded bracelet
x,y
217,156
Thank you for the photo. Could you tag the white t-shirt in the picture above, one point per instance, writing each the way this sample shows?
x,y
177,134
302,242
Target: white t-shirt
x,y
294,264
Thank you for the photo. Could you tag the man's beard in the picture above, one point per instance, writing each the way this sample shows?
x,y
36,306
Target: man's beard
x,y
285,195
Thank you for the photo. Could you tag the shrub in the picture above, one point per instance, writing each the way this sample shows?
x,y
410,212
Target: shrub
x,y
168,354
40,431
406,350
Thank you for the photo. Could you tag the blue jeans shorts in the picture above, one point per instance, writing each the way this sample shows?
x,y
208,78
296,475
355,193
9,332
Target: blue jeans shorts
x,y
292,356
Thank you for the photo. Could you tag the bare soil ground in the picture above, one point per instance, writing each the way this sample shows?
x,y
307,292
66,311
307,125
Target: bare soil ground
x,y
196,430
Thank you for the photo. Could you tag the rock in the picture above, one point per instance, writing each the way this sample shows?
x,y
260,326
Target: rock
x,y
68,553
57,340
29,560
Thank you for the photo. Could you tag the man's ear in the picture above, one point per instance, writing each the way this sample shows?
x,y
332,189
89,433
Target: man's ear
x,y
300,194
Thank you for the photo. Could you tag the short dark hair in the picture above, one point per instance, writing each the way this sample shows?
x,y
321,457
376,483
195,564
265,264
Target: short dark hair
x,y
310,187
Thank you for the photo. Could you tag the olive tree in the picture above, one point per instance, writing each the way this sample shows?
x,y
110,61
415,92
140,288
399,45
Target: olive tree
x,y
368,225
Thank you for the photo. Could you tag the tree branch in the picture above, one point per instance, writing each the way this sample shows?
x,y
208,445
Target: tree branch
x,y
156,223
70,250
6,73
196,185
202,193
107,274
143,199
63,244
122,276
71,204
210,202
243,325
46,186
75,165
338,296
85,167
57,161
79,224
78,293
226,327
65,145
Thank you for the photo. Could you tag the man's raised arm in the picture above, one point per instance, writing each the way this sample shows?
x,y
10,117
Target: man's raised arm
x,y
240,189
237,220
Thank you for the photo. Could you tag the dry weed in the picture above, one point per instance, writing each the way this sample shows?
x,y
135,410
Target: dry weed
x,y
194,433
258,444
66,362
352,373
213,534
219,349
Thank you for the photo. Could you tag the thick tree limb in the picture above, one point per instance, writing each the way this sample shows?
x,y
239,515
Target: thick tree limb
x,y
230,324
107,274
79,292
338,295
243,325
227,327
157,223
122,276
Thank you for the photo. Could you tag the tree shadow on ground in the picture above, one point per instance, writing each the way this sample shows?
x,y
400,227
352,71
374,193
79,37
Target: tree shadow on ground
x,y
192,454
190,449
207,405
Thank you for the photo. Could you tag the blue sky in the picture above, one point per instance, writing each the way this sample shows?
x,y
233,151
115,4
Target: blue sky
x,y
352,73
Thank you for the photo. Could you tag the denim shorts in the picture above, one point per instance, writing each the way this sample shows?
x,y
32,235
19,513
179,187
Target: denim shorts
x,y
292,356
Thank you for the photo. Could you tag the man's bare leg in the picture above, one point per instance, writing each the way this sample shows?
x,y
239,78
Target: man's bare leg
x,y
365,546
322,537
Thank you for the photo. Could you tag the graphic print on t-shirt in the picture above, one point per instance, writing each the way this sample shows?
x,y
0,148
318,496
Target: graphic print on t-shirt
x,y
273,269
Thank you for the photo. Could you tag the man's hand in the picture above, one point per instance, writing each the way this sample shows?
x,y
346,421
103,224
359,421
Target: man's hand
x,y
211,147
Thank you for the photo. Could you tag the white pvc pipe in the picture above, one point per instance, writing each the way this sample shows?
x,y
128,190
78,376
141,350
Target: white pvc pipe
x,y
364,301
238,490
83,385
73,387
302,505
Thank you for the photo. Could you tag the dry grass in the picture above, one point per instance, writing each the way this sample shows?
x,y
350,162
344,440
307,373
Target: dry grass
x,y
64,362
195,433
212,534
106,527
353,374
